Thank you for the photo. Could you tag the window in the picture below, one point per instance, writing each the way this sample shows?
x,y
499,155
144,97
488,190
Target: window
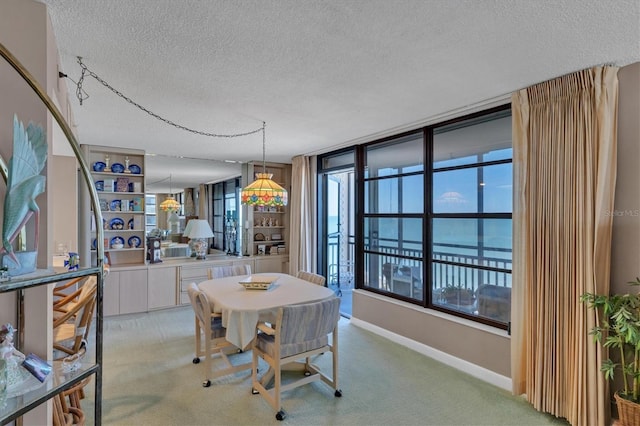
x,y
436,217
150,212
393,218
471,217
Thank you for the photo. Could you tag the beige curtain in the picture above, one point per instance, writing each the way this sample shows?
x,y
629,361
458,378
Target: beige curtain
x,y
564,140
302,217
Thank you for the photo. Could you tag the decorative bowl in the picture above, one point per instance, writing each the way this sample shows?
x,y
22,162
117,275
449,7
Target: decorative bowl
x,y
117,168
99,166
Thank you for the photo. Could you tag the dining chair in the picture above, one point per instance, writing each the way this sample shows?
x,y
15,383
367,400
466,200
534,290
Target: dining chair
x,y
216,272
64,414
311,277
215,343
66,405
228,271
67,295
71,328
300,331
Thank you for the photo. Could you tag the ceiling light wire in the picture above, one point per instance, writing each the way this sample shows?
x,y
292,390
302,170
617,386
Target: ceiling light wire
x,y
81,98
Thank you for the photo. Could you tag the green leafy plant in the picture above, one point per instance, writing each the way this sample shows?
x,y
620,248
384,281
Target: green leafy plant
x,y
618,328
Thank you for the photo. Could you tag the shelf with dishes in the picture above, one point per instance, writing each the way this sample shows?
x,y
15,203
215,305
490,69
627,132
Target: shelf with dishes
x,y
118,242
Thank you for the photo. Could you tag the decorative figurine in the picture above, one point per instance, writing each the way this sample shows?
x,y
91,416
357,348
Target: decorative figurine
x,y
24,184
126,164
107,167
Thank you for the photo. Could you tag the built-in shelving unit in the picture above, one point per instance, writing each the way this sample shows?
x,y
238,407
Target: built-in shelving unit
x,y
118,176
269,231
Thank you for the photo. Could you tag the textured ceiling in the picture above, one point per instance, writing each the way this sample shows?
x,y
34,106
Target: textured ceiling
x,y
321,74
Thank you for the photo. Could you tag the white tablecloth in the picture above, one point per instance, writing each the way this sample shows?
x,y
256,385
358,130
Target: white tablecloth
x,y
242,308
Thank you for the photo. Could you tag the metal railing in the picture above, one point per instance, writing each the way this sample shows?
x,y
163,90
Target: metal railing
x,y
453,265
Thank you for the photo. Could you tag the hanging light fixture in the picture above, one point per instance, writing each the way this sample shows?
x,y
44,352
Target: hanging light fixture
x,y
263,191
170,204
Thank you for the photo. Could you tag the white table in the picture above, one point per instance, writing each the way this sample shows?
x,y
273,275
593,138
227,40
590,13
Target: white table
x,y
241,309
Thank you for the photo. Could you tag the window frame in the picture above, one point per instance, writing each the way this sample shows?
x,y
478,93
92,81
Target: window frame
x,y
427,215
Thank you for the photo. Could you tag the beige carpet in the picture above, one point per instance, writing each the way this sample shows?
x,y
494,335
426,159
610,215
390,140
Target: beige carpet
x,y
149,379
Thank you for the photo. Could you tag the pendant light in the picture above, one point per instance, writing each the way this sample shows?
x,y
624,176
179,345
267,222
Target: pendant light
x,y
170,204
263,191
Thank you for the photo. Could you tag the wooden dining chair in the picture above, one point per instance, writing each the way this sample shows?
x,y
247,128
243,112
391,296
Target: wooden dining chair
x,y
215,344
65,412
67,295
71,328
228,271
311,277
216,272
300,331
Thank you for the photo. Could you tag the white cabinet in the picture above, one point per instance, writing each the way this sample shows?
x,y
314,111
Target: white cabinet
x,y
161,287
118,176
271,264
125,292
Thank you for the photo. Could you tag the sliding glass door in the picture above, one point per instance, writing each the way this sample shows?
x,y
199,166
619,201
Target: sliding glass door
x,y
337,225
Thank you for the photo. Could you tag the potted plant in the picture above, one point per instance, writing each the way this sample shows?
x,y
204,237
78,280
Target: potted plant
x,y
618,329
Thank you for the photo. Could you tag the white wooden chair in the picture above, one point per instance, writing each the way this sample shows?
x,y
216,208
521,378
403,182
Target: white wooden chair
x,y
215,343
228,271
311,277
300,331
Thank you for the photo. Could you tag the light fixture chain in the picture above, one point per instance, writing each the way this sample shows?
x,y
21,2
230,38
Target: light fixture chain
x,y
264,147
151,113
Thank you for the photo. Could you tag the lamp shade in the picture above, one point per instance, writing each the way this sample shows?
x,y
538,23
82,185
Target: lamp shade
x,y
198,228
170,205
264,192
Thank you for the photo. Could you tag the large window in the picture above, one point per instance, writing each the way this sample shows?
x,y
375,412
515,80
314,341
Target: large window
x,y
471,217
436,217
393,219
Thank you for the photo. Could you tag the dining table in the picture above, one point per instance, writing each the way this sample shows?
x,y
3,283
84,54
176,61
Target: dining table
x,y
243,308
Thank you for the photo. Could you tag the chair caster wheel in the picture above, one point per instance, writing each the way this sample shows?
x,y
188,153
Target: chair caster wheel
x,y
196,361
338,393
280,415
206,383
240,351
307,373
254,391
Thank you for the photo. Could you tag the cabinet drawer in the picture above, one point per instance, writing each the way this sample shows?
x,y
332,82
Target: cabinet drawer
x,y
191,273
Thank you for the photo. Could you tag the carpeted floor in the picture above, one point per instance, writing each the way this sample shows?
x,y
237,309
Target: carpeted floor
x,y
149,379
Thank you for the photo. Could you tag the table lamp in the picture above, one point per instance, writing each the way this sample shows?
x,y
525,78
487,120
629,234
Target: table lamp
x,y
199,232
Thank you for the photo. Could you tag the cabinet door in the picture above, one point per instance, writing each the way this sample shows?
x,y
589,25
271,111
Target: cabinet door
x,y
269,264
133,291
111,294
161,287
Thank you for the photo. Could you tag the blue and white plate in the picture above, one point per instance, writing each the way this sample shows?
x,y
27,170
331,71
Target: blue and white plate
x,y
99,185
135,169
134,242
117,240
94,244
99,166
104,205
116,224
130,224
117,168
116,205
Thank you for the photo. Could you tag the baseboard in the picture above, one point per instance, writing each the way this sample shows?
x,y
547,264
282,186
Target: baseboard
x,y
457,363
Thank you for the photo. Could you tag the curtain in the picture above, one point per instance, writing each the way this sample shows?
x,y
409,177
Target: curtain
x,y
302,219
564,153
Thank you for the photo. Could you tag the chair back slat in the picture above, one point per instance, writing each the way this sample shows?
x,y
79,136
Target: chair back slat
x,y
311,277
200,305
309,321
228,271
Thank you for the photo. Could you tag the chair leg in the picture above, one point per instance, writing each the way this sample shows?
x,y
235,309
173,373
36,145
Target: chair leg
x,y
198,335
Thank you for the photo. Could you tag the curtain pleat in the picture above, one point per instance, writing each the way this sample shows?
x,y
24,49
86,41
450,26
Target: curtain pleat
x,y
302,251
564,140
